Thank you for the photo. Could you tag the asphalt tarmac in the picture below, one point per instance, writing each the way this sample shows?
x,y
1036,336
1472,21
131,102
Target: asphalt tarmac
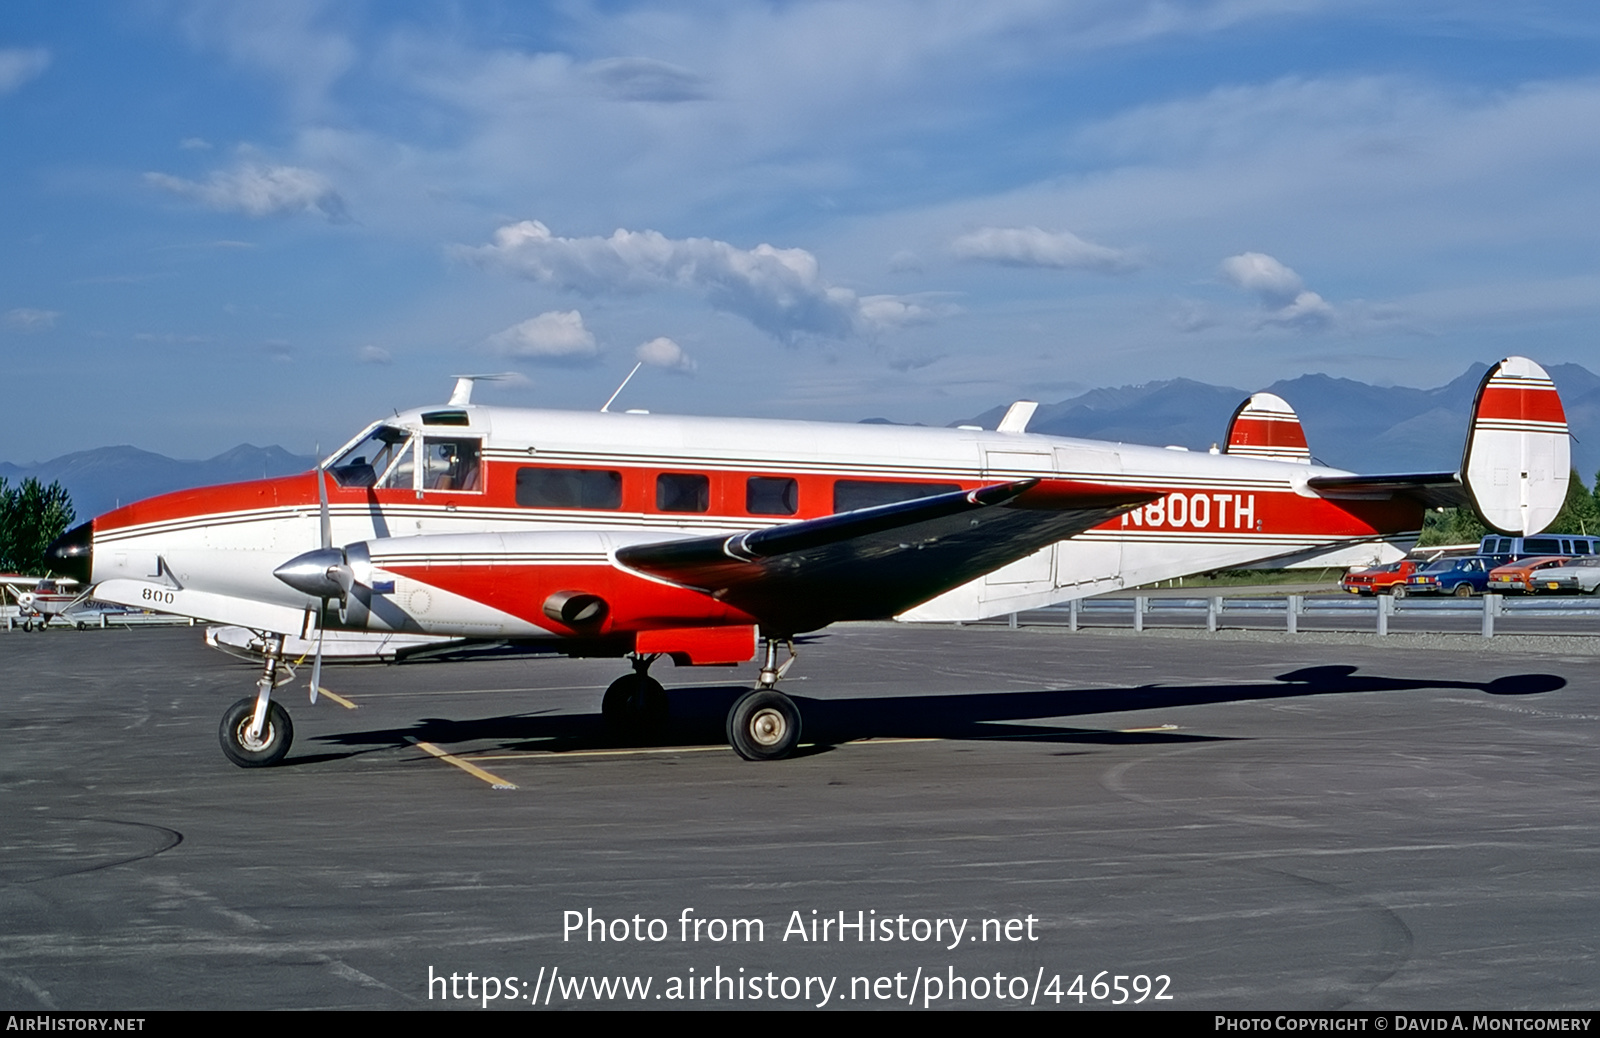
x,y
995,814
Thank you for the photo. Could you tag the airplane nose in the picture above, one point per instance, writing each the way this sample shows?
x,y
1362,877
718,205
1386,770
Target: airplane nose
x,y
72,554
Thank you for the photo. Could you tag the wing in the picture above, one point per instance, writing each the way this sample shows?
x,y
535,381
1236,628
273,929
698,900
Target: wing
x,y
876,562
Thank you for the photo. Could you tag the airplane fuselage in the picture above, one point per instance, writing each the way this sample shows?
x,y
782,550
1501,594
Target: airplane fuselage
x,y
588,483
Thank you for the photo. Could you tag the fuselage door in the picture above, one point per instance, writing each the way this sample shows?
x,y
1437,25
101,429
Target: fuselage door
x,y
1039,567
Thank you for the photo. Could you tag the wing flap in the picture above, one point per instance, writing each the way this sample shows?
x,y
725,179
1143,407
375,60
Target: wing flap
x,y
876,562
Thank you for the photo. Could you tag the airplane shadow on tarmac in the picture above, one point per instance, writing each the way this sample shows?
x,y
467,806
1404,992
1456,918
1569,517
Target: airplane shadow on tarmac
x,y
697,715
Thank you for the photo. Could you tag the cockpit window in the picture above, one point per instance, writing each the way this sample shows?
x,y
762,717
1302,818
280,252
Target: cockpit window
x,y
450,464
383,458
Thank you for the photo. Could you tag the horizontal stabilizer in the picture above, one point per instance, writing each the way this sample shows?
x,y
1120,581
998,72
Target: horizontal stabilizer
x,y
1265,426
1433,489
874,563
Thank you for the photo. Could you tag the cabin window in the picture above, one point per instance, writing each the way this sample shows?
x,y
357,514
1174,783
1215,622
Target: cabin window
x,y
851,494
382,458
683,492
771,495
451,464
569,488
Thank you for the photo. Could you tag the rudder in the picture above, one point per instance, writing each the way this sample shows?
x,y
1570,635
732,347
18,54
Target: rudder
x,y
1518,458
1265,426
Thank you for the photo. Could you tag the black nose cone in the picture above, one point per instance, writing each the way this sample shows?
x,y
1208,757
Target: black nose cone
x,y
72,554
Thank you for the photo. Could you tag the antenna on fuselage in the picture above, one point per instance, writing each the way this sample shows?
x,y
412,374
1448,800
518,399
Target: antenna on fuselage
x,y
605,407
462,395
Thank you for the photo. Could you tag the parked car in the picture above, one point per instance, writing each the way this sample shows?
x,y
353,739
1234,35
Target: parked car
x,y
1576,575
1518,576
1462,576
1378,580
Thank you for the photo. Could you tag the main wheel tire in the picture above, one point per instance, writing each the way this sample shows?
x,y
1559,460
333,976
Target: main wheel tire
x,y
764,725
635,703
1463,591
276,735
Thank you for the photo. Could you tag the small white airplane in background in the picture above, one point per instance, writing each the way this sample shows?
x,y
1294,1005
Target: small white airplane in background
x,y
642,536
43,600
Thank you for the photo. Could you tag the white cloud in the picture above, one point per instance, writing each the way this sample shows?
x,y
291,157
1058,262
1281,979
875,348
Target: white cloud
x,y
556,336
1032,247
664,353
18,65
257,190
780,291
374,355
1280,290
27,319
1264,276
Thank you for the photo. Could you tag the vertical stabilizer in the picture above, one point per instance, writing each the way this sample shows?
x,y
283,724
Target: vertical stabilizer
x,y
1265,426
1518,458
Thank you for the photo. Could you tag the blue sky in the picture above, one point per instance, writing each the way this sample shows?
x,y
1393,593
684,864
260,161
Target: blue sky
x,y
274,222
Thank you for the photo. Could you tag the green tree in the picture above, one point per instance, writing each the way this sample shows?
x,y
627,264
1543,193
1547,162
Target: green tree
x,y
1580,513
1451,526
31,516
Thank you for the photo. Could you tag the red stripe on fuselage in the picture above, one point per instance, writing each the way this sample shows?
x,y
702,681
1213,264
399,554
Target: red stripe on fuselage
x,y
1280,512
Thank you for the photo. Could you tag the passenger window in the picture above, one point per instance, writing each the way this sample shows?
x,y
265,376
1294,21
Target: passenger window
x,y
569,488
771,495
451,465
851,494
683,492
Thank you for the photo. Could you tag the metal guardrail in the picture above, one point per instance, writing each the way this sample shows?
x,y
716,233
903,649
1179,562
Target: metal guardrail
x,y
1215,609
11,619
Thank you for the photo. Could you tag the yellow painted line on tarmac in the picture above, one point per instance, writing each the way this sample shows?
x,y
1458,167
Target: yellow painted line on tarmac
x,y
471,769
341,700
560,754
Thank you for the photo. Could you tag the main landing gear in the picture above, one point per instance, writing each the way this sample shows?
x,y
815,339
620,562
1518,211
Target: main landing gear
x,y
764,724
635,703
256,732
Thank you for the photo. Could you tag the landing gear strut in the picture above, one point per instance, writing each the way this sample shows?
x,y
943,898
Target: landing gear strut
x,y
635,703
255,731
764,724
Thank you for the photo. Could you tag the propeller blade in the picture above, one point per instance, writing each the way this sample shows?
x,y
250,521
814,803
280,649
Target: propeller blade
x,y
322,504
316,664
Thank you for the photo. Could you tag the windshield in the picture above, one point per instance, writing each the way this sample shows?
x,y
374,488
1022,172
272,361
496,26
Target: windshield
x,y
382,458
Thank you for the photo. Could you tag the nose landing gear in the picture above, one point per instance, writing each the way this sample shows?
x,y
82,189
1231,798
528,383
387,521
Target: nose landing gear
x,y
256,732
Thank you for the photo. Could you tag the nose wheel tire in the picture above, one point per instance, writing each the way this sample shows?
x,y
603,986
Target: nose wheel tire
x,y
635,703
764,725
276,735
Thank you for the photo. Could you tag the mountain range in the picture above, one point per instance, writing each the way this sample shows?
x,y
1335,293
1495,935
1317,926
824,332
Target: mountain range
x,y
1349,424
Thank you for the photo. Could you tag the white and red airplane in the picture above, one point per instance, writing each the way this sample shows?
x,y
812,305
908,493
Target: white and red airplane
x,y
43,600
705,539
